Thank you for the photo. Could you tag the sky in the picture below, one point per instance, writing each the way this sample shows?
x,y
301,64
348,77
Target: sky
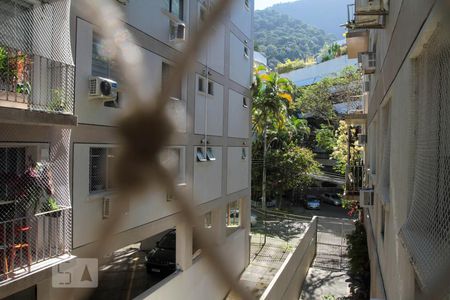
x,y
261,4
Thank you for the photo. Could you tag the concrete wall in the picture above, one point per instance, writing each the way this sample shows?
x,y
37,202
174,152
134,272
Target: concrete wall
x,y
240,65
238,115
208,177
287,283
213,105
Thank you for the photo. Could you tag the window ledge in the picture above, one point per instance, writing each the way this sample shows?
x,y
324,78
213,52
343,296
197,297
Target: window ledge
x,y
171,16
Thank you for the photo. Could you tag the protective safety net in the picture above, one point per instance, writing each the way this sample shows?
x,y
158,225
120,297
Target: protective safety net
x,y
35,212
36,65
426,234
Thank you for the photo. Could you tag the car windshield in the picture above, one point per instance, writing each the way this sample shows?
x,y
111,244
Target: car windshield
x,y
168,241
335,197
313,200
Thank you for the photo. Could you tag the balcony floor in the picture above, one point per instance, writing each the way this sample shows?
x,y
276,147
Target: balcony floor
x,y
20,114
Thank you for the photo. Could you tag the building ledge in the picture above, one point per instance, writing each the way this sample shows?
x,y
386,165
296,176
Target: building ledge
x,y
33,117
23,278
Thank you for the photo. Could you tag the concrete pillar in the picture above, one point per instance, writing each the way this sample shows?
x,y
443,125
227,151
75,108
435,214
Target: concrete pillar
x,y
218,219
184,245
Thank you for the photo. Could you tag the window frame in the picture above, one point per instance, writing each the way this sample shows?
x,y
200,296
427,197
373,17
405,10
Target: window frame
x,y
108,184
181,4
234,222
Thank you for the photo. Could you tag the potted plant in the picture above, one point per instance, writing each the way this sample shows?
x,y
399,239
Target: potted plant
x,y
52,206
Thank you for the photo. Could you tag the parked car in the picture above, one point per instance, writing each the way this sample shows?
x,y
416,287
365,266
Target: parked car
x,y
312,202
332,199
162,258
253,219
269,202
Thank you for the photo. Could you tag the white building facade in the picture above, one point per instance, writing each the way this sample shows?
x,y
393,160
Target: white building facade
x,y
211,112
404,51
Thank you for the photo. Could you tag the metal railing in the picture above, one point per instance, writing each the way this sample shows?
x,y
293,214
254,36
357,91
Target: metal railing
x,y
33,82
355,179
32,239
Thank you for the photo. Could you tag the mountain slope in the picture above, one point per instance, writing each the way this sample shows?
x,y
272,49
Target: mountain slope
x,y
281,37
327,15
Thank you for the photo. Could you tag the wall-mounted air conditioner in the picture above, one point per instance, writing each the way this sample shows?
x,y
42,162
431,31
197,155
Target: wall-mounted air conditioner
x,y
177,32
366,198
106,212
368,62
103,89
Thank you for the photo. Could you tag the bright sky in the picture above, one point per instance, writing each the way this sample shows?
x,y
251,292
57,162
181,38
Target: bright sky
x,y
261,4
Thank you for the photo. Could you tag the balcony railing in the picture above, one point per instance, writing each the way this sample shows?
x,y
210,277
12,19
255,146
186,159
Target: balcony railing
x,y
356,178
34,82
364,19
29,240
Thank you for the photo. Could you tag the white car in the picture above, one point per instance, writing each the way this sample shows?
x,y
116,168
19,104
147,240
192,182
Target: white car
x,y
253,219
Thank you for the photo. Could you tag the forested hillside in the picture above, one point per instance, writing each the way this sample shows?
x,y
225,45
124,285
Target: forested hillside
x,y
281,37
327,15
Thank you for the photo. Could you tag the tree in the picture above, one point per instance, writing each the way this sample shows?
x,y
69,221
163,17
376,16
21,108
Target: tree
x,y
271,97
325,138
340,151
290,168
318,99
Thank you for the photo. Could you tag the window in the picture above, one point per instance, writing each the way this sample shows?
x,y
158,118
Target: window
x,y
202,14
210,154
201,156
101,161
244,102
208,220
175,7
246,52
12,165
172,158
232,214
247,4
166,71
211,88
201,85
244,153
102,66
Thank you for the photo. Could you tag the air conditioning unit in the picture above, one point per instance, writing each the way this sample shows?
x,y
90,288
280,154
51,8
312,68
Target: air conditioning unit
x,y
106,207
103,89
177,32
368,62
366,198
362,139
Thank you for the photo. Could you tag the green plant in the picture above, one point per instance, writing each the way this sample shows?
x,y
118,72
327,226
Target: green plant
x,y
325,138
51,204
58,101
359,262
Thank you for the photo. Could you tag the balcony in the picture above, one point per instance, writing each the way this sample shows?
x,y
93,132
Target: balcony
x,y
355,180
366,14
36,66
357,42
35,213
36,84
352,112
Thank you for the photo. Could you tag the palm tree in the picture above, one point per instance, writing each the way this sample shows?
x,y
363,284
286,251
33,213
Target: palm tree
x,y
271,98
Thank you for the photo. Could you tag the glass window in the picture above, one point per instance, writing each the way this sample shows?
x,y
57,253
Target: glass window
x,y
201,85
208,220
101,161
165,81
210,154
201,156
175,7
232,214
211,88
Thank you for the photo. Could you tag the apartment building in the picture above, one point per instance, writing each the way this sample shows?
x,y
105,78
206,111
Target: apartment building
x,y
403,49
59,132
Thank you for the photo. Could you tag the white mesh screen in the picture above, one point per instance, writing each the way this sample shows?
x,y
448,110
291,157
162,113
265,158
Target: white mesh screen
x,y
35,206
37,27
426,234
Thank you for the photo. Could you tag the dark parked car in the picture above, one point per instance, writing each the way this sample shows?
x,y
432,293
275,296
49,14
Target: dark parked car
x,y
161,259
312,202
332,199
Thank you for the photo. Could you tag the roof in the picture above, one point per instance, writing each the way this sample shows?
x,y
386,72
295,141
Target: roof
x,y
314,73
259,58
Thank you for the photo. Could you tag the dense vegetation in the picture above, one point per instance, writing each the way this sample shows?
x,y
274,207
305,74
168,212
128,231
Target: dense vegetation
x,y
281,37
327,15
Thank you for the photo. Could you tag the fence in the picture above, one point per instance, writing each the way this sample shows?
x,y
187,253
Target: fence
x,y
287,283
